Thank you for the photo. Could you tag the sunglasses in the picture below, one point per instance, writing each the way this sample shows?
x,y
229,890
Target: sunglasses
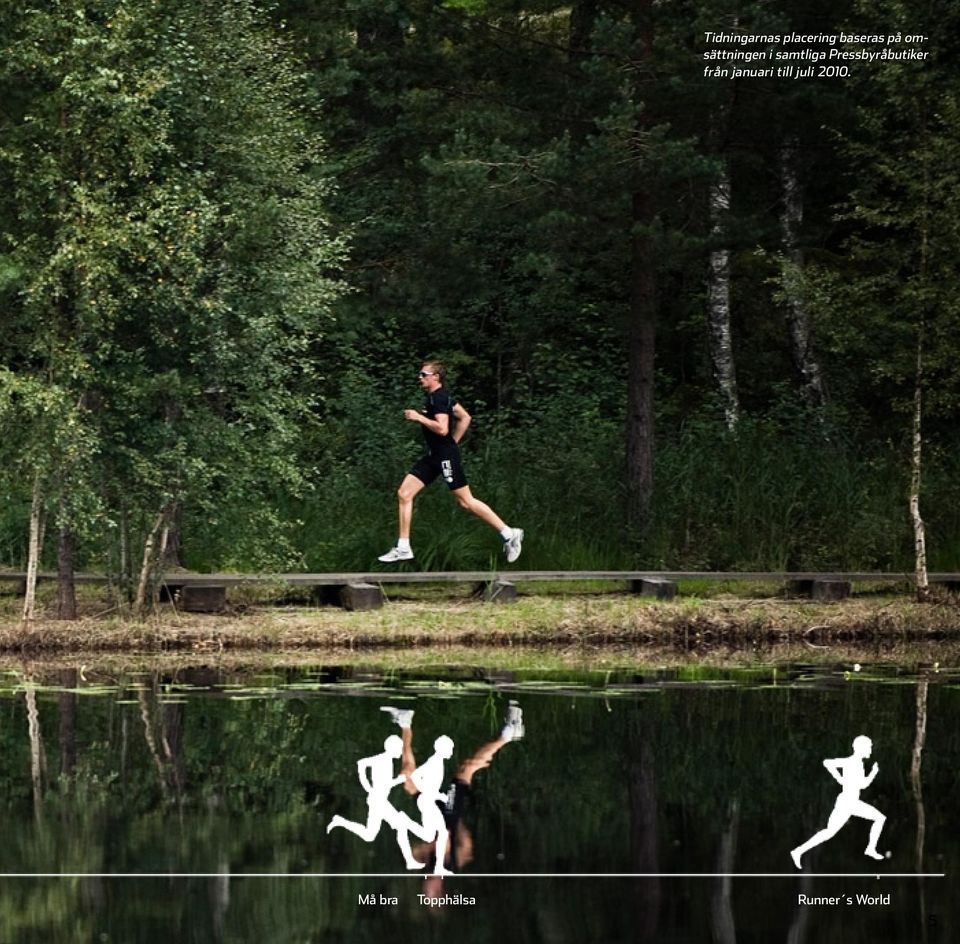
x,y
427,373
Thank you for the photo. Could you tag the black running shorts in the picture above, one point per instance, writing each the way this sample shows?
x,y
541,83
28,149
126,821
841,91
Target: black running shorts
x,y
447,465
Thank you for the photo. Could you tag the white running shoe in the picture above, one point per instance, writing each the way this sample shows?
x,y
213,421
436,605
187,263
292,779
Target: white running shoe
x,y
401,716
513,729
513,545
394,555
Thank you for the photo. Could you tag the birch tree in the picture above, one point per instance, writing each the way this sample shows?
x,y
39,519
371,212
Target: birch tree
x,y
718,296
798,315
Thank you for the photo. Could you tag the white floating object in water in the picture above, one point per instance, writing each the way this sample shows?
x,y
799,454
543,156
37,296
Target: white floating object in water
x,y
856,666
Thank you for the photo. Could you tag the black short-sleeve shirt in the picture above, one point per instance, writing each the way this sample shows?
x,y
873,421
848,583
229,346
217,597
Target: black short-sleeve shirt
x,y
438,402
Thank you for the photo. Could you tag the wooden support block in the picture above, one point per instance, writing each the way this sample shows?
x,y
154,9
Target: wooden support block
x,y
168,592
657,587
326,594
361,596
830,590
497,591
799,588
203,598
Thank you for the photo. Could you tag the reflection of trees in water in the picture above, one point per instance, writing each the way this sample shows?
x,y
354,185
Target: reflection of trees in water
x,y
165,738
916,784
801,918
721,904
67,702
38,758
920,737
644,858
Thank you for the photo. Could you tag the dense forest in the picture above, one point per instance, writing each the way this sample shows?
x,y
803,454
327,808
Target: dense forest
x,y
699,323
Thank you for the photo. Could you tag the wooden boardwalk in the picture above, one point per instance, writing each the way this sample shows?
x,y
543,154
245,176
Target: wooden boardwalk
x,y
482,576
364,590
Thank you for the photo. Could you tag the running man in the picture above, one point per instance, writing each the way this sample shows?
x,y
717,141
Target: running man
x,y
444,422
848,772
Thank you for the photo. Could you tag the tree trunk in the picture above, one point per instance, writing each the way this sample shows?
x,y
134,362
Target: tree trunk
x,y
146,716
173,550
916,783
153,550
583,16
68,724
798,317
718,286
642,799
721,905
34,552
126,565
801,918
38,760
66,588
641,334
919,530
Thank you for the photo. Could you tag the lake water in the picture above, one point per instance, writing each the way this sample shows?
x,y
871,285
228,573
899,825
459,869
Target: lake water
x,y
640,805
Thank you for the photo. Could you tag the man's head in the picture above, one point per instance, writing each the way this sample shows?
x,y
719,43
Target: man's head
x,y
432,374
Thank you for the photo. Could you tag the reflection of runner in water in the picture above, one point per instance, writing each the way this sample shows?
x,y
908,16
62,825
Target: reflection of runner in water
x,y
378,785
848,772
453,845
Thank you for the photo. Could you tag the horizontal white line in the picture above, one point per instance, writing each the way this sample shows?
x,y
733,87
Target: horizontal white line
x,y
421,875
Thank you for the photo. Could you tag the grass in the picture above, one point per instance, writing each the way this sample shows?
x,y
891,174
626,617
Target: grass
x,y
588,623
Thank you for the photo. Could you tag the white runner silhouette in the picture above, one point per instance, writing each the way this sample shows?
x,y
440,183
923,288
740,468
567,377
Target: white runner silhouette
x,y
849,773
379,808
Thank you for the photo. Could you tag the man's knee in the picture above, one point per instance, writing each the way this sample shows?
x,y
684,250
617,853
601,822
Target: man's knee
x,y
406,494
465,501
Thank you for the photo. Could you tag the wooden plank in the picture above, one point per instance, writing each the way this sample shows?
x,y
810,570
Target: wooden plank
x,y
516,576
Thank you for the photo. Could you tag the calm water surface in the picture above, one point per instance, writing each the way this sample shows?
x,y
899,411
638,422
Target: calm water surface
x,y
701,781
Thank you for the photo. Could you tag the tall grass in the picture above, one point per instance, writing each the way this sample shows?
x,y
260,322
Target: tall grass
x,y
774,495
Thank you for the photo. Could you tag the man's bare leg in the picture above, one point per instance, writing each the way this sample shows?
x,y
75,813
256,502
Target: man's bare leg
x,y
408,762
479,760
512,537
410,487
481,509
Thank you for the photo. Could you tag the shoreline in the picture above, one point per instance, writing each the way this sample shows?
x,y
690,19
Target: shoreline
x,y
590,624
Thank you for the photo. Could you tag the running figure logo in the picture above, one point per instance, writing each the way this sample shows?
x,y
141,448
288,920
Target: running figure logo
x,y
377,779
376,776
849,773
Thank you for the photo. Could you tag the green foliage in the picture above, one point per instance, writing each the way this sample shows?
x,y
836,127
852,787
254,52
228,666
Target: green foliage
x,y
177,334
170,277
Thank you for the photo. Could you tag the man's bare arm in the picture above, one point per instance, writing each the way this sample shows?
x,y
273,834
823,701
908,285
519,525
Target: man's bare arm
x,y
463,419
440,425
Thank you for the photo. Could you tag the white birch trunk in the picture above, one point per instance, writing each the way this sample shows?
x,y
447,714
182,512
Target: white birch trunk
x,y
34,551
919,530
152,553
798,316
718,299
38,760
916,760
146,715
721,904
